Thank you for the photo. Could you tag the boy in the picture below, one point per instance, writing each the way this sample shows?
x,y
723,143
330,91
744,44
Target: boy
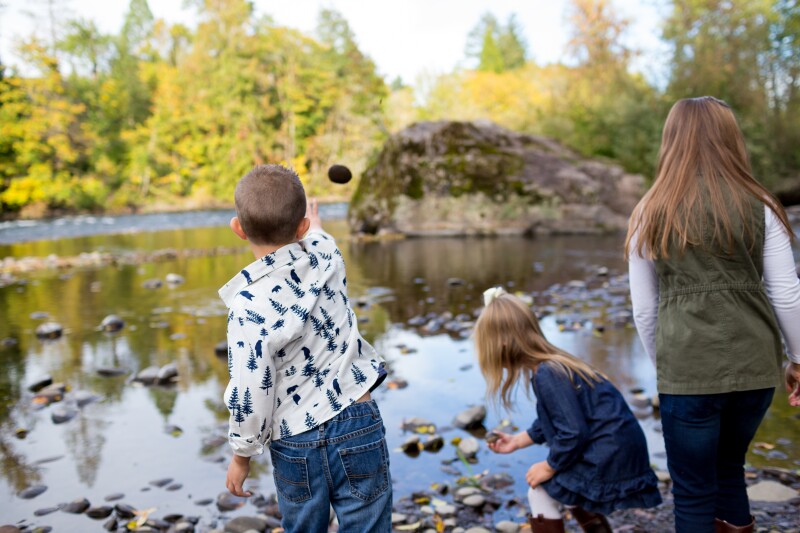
x,y
300,373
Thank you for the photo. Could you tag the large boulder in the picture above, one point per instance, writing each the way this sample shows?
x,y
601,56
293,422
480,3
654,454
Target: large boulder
x,y
472,178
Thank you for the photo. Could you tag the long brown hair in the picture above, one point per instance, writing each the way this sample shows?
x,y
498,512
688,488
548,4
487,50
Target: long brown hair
x,y
511,346
702,158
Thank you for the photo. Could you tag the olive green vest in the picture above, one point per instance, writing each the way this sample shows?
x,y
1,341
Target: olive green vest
x,y
716,330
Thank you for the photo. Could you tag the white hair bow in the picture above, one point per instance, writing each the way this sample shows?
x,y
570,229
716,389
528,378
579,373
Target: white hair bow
x,y
489,295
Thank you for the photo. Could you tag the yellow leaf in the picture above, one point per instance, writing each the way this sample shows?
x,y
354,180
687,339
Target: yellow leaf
x,y
408,527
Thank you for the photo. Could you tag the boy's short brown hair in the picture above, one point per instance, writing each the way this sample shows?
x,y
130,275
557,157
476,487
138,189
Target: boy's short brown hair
x,y
270,203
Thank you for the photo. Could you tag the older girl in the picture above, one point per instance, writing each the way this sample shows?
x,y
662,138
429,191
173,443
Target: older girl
x,y
713,285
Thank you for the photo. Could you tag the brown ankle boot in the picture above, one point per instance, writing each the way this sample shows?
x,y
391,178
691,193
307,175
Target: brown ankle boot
x,y
591,522
540,524
726,527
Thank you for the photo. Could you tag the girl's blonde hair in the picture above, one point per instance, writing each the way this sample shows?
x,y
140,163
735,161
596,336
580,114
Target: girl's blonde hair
x,y
702,169
511,346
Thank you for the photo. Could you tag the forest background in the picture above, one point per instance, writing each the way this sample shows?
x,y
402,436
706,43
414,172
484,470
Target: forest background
x,y
166,116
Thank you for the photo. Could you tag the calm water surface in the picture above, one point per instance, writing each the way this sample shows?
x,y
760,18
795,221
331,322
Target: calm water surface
x,y
127,440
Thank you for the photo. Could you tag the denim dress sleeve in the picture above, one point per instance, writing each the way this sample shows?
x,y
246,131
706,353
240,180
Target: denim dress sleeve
x,y
535,432
559,401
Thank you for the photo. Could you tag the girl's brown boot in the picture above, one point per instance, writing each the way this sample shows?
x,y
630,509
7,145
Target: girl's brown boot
x,y
591,522
726,527
540,524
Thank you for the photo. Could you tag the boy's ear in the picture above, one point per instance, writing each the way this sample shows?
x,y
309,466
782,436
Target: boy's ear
x,y
302,229
236,227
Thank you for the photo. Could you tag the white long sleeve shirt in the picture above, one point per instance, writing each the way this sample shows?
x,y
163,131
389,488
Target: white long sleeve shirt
x,y
780,282
295,355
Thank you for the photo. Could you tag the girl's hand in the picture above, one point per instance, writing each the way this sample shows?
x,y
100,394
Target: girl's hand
x,y
504,444
237,473
793,383
539,473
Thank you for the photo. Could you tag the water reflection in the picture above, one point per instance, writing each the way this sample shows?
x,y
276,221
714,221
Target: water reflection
x,y
123,442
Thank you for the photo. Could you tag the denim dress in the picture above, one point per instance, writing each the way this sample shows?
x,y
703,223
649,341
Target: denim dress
x,y
596,445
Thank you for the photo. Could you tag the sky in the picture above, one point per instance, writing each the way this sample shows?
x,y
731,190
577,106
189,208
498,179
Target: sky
x,y
405,38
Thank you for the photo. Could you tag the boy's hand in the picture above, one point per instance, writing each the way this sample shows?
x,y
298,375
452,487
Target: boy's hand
x,y
793,383
237,473
539,473
312,214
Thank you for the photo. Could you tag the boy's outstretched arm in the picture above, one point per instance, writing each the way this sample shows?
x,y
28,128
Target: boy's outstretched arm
x,y
312,214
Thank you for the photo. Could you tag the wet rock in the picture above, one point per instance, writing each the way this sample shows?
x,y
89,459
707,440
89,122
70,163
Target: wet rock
x,y
446,510
167,374
399,518
148,375
50,394
455,282
98,513
417,321
152,284
49,330
181,527
161,482
411,445
40,383
221,349
497,481
110,525
203,502
771,491
83,398
663,476
46,511
418,425
174,279
175,486
472,418
40,315
640,400
469,447
242,524
109,372
112,323
173,430
8,341
396,383
9,529
114,497
464,492
434,443
31,492
63,414
228,502
507,526
76,506
124,511
474,500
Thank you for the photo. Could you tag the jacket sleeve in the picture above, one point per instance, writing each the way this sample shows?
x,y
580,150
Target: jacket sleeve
x,y
560,402
250,394
644,297
535,432
781,282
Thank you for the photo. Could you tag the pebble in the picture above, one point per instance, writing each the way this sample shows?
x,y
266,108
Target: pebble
x,y
161,482
221,349
167,374
31,492
108,372
152,284
76,506
472,418
83,398
477,530
464,492
242,524
112,323
49,330
228,502
45,511
399,518
110,525
114,497
507,526
40,383
771,491
124,511
99,513
434,443
174,279
469,447
148,375
474,500
63,414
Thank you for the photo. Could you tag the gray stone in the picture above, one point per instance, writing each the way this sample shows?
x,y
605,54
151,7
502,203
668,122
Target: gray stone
x,y
477,530
124,511
228,502
83,398
76,506
771,491
99,513
463,492
474,500
152,284
45,511
63,414
471,418
114,497
31,492
174,279
434,443
446,510
161,482
663,476
148,376
40,383
399,518
108,372
242,524
469,447
49,330
507,526
167,373
112,323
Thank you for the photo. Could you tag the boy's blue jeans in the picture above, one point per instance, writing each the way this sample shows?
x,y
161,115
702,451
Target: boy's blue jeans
x,y
706,437
345,463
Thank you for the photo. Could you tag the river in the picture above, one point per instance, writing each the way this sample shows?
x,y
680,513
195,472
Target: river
x,y
134,435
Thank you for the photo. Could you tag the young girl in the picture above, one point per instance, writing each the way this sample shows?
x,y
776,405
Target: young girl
x,y
598,460
713,285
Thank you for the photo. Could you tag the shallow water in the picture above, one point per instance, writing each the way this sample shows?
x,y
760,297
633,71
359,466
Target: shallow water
x,y
123,442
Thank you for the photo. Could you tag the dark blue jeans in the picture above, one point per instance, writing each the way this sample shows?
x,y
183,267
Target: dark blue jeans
x,y
706,437
343,463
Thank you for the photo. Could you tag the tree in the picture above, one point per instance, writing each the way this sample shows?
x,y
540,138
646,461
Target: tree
x,y
266,380
247,403
233,400
495,47
358,375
